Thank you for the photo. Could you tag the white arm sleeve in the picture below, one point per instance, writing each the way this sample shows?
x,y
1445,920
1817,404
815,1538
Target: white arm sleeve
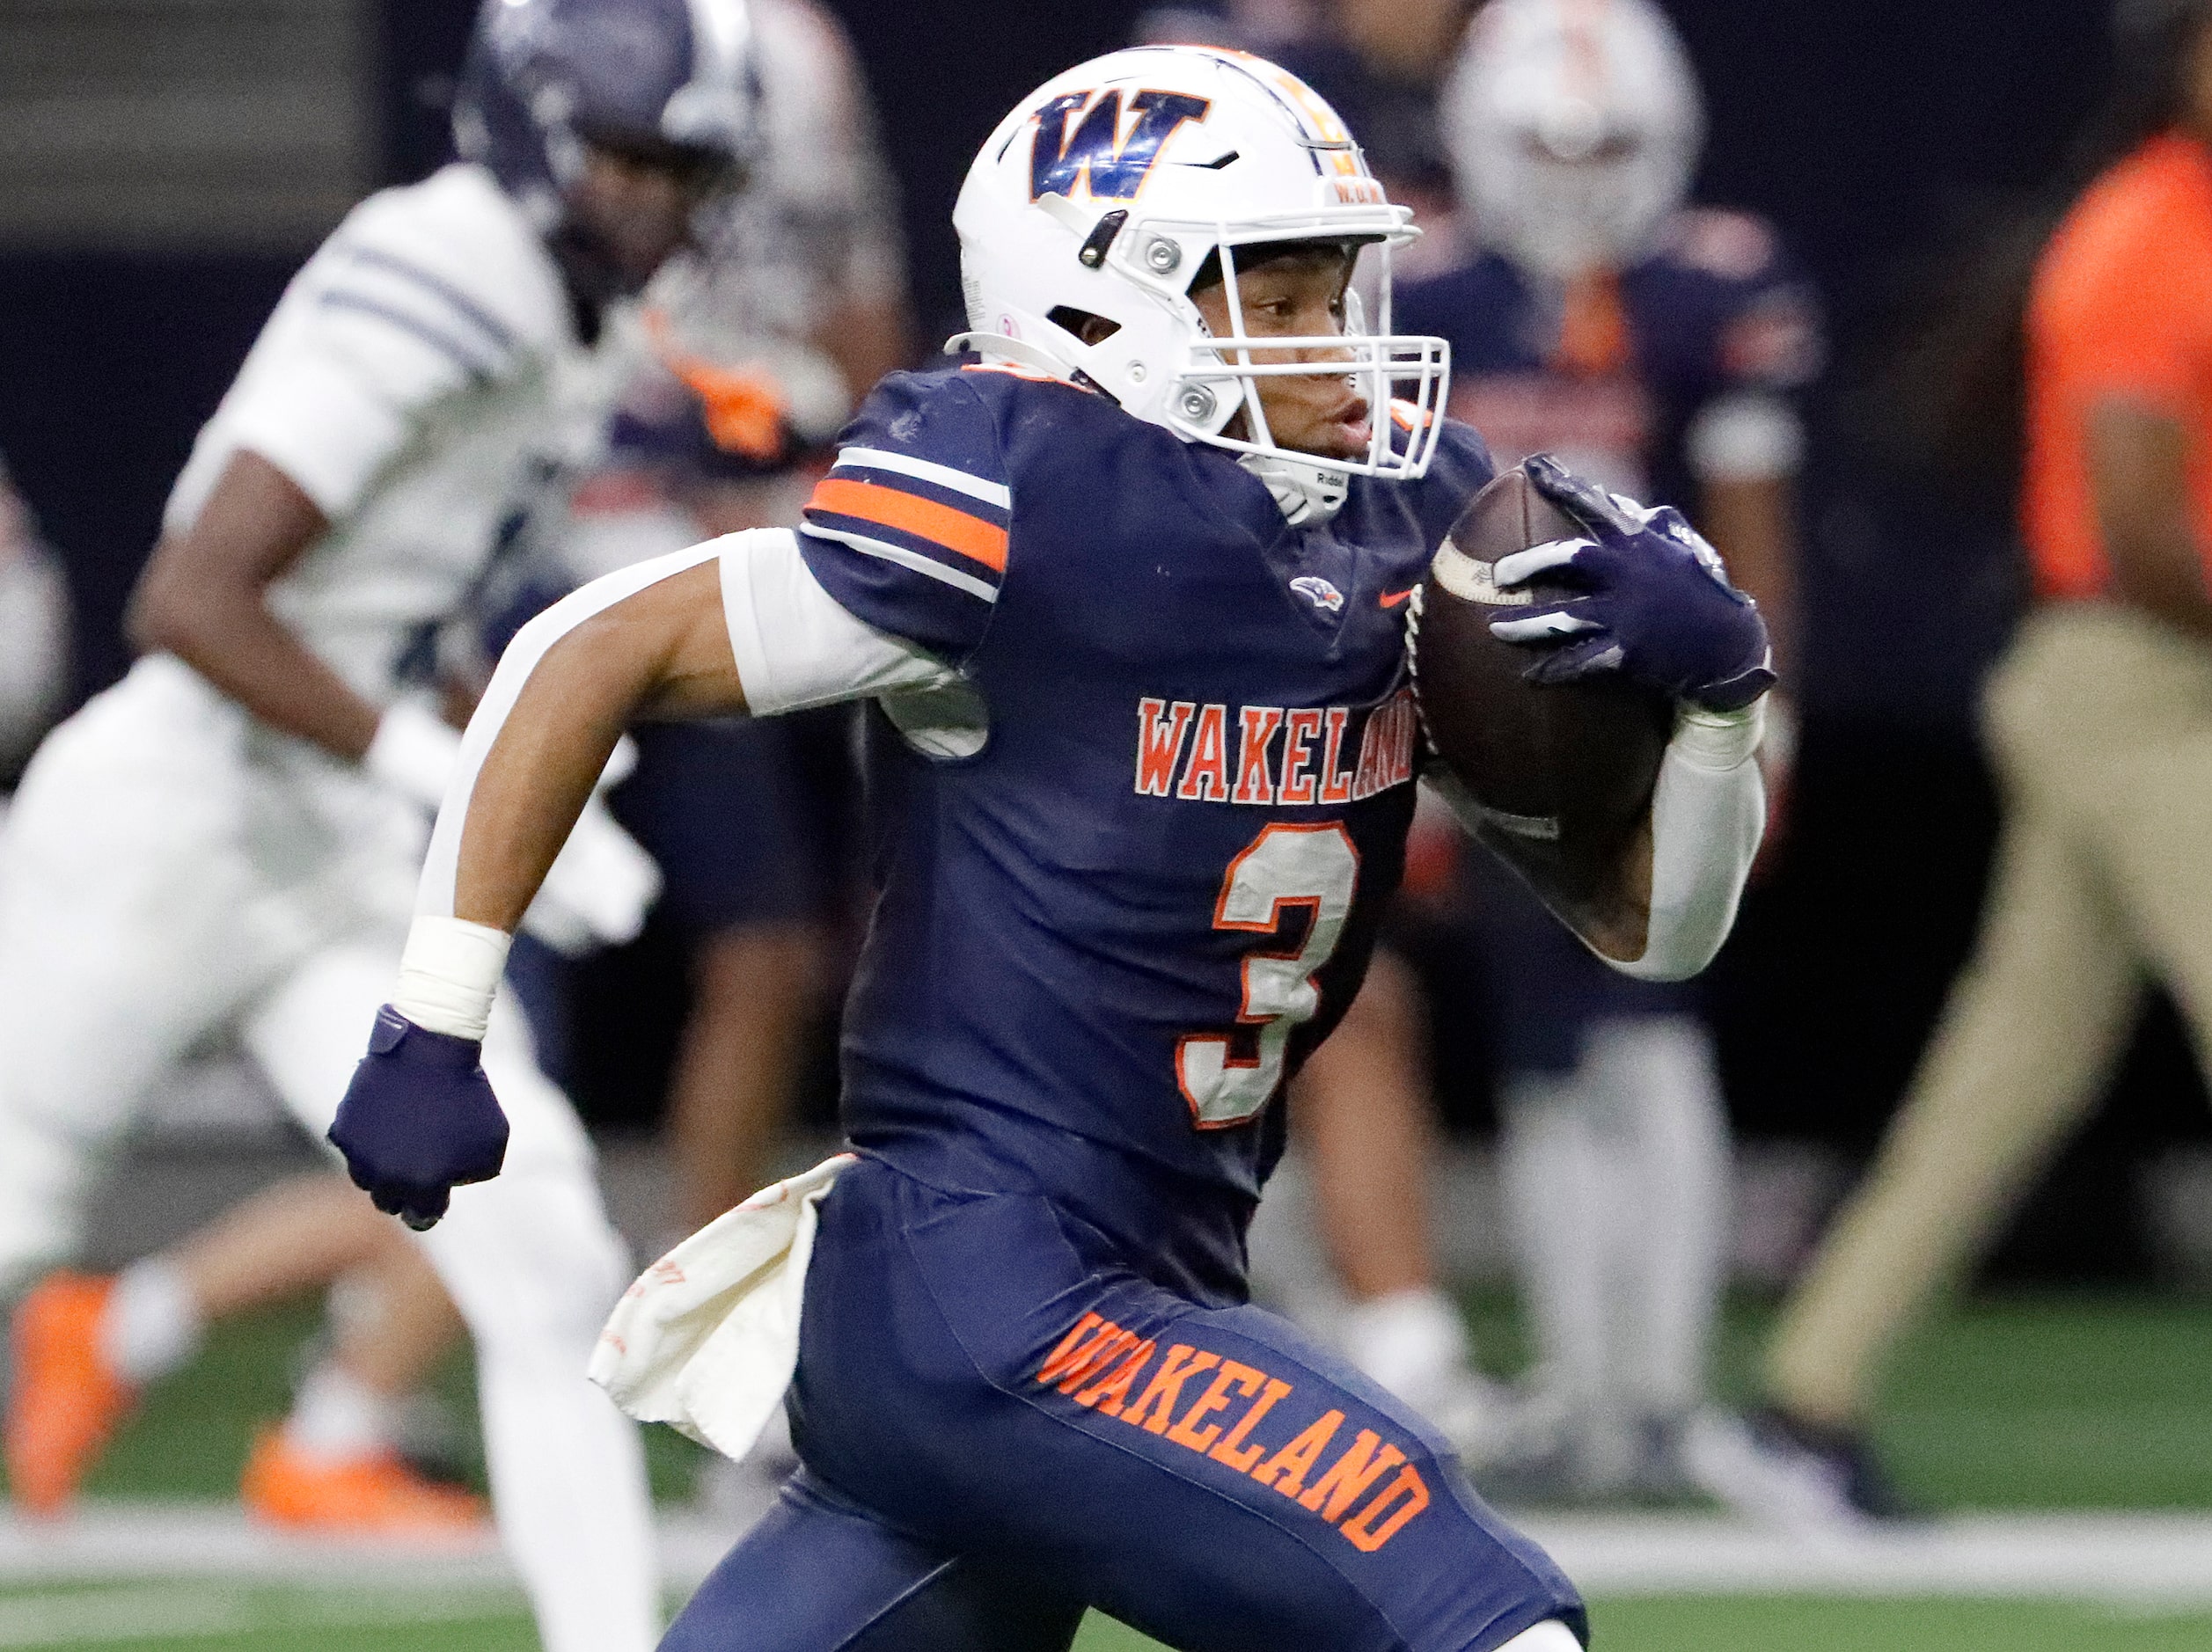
x,y
795,646
1707,817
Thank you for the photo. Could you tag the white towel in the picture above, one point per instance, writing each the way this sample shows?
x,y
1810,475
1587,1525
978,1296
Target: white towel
x,y
707,1338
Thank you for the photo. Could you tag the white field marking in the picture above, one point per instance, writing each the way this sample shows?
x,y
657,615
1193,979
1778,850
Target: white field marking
x,y
2132,1559
125,1540
2138,1561
206,1611
135,1614
153,1540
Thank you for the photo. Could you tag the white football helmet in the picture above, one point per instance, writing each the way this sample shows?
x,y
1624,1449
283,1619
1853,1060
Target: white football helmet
x,y
1110,188
1573,127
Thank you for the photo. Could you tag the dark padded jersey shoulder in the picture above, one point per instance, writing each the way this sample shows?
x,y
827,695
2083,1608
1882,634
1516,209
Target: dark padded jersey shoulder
x,y
909,529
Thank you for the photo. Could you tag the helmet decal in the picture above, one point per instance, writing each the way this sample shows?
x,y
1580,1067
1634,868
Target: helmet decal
x,y
1111,168
1073,213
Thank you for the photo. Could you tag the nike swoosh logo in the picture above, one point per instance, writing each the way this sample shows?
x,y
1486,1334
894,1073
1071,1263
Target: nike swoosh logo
x,y
1391,599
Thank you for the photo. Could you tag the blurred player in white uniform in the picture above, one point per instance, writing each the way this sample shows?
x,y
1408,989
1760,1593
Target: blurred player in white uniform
x,y
738,367
229,837
34,635
1658,348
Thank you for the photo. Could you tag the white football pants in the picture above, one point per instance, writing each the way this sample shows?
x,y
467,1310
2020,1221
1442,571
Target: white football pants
x,y
171,870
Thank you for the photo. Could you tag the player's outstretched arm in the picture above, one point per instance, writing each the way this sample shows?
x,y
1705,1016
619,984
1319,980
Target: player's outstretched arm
x,y
737,626
204,598
1659,610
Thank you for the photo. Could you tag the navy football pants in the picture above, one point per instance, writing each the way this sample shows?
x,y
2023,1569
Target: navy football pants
x,y
1000,1426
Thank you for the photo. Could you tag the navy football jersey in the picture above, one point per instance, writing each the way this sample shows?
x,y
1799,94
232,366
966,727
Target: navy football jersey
x,y
1715,308
1124,921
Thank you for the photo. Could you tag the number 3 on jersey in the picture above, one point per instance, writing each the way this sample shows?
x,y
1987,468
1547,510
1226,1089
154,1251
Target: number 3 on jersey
x,y
1313,866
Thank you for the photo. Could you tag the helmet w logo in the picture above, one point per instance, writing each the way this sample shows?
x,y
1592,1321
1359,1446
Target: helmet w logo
x,y
1112,166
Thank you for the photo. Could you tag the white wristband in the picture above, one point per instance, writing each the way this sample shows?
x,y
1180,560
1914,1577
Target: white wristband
x,y
1718,741
449,974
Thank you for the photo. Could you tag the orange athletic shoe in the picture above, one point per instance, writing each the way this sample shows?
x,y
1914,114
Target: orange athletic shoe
x,y
377,1493
65,1402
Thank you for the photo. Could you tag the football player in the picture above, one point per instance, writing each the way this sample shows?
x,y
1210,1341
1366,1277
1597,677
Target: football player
x,y
1657,348
227,837
805,246
1143,752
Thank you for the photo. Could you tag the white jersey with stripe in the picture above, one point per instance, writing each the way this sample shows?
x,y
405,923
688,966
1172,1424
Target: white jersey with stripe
x,y
406,381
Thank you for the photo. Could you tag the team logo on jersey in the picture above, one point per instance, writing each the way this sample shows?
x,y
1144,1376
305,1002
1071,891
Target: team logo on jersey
x,y
1112,164
1319,592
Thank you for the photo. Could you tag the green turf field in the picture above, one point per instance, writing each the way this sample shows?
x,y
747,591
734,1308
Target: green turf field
x,y
2022,1402
206,1618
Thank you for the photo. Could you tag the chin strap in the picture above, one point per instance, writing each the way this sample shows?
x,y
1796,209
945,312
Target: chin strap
x,y
1308,494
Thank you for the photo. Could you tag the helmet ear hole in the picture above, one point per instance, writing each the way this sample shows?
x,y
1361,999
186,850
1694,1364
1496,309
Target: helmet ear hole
x,y
1091,329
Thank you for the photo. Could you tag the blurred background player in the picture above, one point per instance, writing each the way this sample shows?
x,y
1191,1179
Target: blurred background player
x,y
229,837
745,359
34,636
2098,720
1657,348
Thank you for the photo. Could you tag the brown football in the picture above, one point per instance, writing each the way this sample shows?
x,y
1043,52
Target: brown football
x,y
1554,778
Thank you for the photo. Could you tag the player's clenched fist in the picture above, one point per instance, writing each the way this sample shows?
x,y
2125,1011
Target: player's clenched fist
x,y
419,1120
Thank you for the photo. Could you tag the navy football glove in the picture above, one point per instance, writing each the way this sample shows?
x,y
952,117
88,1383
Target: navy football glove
x,y
419,1120
1657,606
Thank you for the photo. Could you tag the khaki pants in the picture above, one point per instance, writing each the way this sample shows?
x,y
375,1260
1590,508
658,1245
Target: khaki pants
x,y
2099,722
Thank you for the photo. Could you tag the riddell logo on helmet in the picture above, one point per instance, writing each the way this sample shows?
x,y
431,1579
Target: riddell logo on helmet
x,y
1110,167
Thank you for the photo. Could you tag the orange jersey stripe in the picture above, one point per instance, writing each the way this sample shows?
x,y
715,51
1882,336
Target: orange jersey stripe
x,y
955,530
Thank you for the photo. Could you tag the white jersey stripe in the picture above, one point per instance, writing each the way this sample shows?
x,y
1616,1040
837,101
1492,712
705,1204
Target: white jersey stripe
x,y
927,471
906,558
492,327
438,337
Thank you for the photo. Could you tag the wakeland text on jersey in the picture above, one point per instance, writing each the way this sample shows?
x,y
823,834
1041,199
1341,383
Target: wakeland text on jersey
x,y
1285,756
